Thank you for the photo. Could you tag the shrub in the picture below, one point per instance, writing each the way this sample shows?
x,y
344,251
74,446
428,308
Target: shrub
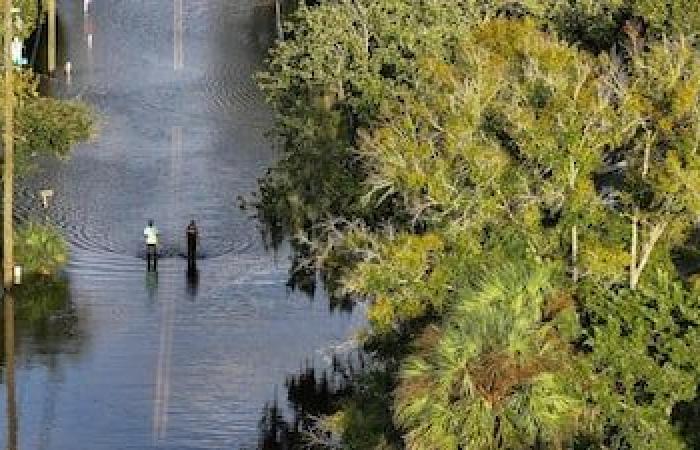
x,y
40,249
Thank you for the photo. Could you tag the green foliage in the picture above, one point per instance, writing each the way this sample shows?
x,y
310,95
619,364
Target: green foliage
x,y
662,98
40,249
342,64
469,137
643,350
41,124
498,374
29,11
45,125
464,144
402,280
600,25
686,416
364,422
52,126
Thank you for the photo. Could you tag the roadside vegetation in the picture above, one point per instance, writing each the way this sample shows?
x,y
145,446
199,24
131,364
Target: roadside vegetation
x,y
40,249
43,127
514,189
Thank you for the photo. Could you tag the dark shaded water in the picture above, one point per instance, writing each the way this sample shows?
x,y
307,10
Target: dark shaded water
x,y
116,358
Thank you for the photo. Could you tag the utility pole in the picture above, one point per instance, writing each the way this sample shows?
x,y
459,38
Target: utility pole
x,y
51,7
8,166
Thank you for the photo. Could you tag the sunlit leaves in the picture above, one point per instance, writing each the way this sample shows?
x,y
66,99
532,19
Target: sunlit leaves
x,y
40,249
403,281
495,374
52,126
45,125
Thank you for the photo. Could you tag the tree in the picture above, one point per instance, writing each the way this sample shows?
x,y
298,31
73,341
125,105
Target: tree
x,y
561,132
641,345
601,26
513,131
497,375
341,65
659,92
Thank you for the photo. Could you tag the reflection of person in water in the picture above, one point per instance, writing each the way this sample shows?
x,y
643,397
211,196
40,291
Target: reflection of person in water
x,y
151,285
192,284
191,233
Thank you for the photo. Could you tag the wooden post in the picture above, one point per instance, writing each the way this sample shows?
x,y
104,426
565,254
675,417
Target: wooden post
x,y
8,261
51,7
278,18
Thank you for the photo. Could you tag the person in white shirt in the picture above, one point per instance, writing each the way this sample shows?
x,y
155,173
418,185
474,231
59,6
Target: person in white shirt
x,y
151,234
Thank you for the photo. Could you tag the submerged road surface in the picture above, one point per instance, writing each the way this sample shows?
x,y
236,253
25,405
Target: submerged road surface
x,y
122,359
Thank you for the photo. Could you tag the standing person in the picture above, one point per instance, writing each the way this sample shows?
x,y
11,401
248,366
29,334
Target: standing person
x,y
191,233
151,234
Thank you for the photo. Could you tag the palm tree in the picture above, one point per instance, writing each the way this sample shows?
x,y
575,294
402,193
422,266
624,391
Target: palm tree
x,y
497,373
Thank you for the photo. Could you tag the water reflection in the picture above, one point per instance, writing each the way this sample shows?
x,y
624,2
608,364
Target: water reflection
x,y
192,276
9,359
151,286
46,320
311,393
304,277
38,318
163,378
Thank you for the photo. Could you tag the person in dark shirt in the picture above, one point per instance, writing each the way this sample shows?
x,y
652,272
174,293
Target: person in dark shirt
x,y
191,233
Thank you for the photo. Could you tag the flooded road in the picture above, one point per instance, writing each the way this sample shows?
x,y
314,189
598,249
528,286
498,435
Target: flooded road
x,y
116,358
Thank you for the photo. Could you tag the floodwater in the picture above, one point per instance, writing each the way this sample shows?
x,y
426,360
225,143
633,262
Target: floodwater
x,y
117,358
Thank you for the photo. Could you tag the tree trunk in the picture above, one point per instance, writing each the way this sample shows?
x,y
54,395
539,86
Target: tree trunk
x,y
574,253
574,230
638,263
654,236
635,244
648,140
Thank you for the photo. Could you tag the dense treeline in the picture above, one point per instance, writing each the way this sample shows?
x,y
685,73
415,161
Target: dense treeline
x,y
514,187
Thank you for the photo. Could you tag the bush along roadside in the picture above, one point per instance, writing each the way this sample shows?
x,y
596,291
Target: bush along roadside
x,y
40,249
